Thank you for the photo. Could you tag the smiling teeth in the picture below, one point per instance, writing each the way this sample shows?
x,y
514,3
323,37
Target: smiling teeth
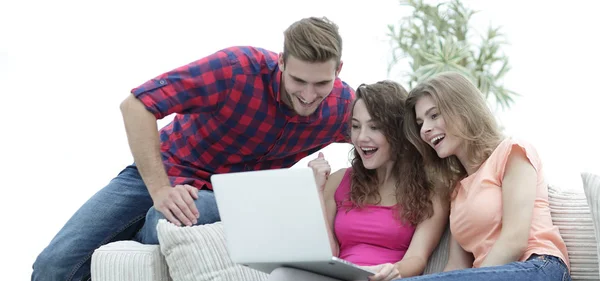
x,y
368,149
303,101
434,140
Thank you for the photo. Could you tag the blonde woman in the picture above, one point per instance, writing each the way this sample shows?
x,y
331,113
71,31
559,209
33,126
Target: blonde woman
x,y
499,213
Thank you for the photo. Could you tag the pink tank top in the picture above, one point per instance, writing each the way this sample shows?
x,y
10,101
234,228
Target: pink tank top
x,y
371,235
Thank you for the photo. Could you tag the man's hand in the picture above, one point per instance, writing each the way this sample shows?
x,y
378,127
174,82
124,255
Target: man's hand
x,y
321,170
177,204
385,272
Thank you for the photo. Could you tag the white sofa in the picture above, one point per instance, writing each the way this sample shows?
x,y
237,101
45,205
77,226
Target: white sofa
x,y
199,253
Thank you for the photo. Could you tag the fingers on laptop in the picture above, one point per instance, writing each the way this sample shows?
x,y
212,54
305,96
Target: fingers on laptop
x,y
385,272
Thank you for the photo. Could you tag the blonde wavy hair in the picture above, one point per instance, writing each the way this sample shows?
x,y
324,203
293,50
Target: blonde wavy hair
x,y
466,116
313,40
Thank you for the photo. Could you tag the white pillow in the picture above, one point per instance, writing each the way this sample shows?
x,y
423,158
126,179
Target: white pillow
x,y
199,253
591,185
571,214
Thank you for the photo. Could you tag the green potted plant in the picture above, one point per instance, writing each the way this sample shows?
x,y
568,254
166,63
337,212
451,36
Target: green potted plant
x,y
438,38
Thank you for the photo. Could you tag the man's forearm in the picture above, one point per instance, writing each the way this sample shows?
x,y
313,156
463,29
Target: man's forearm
x,y
144,142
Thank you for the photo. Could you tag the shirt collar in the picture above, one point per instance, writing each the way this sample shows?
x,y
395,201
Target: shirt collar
x,y
276,83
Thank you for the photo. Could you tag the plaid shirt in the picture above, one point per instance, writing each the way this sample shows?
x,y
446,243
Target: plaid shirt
x,y
230,117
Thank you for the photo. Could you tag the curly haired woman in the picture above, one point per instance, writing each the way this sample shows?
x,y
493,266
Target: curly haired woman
x,y
382,213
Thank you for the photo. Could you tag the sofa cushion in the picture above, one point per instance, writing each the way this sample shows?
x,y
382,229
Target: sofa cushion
x,y
571,214
591,186
439,257
199,253
129,261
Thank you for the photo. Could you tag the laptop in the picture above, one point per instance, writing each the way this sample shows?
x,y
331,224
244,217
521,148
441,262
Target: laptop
x,y
273,218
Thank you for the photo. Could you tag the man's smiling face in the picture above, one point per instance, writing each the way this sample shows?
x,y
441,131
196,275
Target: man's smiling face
x,y
306,84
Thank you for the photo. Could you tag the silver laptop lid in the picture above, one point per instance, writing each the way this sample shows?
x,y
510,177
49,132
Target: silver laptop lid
x,y
272,216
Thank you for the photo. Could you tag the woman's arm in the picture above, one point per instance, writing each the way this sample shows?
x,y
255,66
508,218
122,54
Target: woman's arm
x,y
518,197
330,208
458,258
425,239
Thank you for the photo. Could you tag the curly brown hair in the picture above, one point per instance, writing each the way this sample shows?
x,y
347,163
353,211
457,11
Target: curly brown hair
x,y
385,102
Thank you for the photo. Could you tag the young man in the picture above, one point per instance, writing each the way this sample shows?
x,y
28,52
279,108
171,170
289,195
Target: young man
x,y
239,109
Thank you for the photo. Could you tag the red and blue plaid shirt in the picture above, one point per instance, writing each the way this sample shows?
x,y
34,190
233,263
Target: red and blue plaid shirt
x,y
230,117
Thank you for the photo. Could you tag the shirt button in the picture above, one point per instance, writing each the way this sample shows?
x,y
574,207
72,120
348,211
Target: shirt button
x,y
162,82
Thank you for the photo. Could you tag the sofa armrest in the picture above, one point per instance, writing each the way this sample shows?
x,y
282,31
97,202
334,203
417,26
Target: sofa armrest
x,y
129,261
591,186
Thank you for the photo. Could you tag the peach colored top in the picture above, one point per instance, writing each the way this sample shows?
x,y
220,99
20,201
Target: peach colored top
x,y
476,210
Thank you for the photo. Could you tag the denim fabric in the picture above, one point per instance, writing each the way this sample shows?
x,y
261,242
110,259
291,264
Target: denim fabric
x,y
116,212
536,268
207,207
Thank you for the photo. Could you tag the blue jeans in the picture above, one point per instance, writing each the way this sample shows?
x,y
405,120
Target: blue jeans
x,y
536,268
120,211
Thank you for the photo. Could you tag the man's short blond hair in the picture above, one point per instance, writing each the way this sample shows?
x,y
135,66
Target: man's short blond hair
x,y
313,40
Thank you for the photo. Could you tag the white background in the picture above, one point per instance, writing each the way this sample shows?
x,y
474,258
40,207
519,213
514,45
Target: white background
x,y
66,65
